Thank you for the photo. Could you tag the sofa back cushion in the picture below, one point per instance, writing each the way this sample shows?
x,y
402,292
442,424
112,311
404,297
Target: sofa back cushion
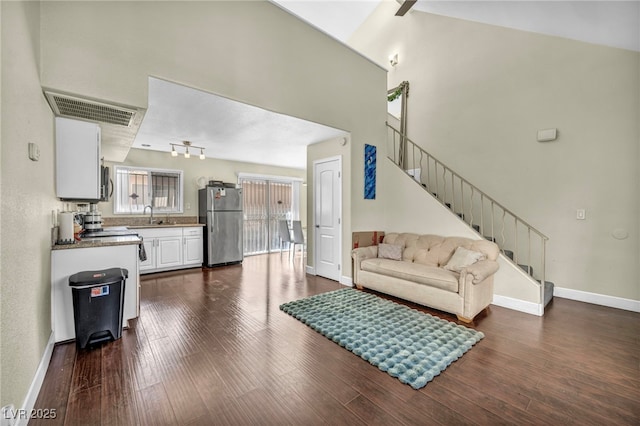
x,y
436,250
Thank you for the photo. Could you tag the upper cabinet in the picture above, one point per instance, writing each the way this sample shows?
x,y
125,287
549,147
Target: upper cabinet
x,y
77,160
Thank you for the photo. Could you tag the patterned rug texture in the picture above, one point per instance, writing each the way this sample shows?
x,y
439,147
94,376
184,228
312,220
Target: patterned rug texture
x,y
407,344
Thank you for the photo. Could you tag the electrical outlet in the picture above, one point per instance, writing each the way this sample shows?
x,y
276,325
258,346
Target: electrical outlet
x,y
188,206
581,214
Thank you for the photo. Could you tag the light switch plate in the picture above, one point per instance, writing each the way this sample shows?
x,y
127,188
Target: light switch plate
x,y
547,135
581,214
34,151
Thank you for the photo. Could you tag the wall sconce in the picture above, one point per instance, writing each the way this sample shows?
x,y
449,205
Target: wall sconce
x,y
186,145
393,59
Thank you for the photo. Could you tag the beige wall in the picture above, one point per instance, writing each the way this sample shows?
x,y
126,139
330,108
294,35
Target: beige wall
x,y
28,197
193,168
319,151
253,52
248,51
479,94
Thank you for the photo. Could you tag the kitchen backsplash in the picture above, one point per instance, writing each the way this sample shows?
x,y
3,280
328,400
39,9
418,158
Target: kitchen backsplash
x,y
140,220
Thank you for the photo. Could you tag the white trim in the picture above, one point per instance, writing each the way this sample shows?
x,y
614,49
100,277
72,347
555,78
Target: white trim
x,y
261,176
311,270
346,281
313,206
597,299
518,305
36,383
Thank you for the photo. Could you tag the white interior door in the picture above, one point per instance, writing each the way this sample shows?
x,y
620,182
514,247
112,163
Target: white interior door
x,y
327,217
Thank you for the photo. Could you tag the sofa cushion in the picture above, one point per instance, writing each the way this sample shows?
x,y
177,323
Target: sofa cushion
x,y
462,258
436,250
390,251
415,272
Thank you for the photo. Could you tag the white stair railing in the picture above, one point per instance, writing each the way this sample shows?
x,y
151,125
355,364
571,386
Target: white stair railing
x,y
521,243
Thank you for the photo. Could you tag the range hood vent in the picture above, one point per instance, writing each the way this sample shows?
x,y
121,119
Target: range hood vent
x,y
64,105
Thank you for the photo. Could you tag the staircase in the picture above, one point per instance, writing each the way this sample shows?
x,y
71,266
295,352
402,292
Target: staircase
x,y
520,243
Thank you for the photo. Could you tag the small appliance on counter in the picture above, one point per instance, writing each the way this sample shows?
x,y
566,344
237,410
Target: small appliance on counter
x,y
92,220
65,228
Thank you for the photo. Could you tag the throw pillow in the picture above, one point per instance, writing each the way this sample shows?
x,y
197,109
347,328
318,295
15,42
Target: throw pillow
x,y
390,251
463,258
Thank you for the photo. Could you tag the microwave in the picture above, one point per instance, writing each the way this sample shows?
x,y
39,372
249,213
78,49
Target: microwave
x,y
106,184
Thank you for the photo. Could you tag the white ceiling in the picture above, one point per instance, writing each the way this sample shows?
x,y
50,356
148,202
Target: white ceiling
x,y
609,23
227,129
232,130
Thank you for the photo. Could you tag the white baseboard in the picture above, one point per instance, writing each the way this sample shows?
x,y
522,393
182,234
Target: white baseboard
x,y
310,270
346,281
598,299
36,383
518,305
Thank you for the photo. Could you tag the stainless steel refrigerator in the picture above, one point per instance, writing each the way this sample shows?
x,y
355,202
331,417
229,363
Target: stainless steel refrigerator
x,y
220,209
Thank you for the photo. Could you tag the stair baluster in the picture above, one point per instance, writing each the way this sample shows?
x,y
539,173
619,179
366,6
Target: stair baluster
x,y
446,193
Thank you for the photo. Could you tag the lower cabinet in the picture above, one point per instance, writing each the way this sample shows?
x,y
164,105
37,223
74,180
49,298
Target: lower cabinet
x,y
171,248
66,262
192,243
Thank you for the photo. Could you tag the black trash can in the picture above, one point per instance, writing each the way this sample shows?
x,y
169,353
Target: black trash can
x,y
98,302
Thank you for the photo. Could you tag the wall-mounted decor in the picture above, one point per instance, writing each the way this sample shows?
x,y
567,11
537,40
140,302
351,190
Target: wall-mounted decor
x,y
369,172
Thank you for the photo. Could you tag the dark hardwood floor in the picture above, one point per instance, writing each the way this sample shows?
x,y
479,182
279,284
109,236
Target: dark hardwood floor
x,y
212,347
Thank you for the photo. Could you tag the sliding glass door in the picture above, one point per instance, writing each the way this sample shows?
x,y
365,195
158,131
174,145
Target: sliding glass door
x,y
266,201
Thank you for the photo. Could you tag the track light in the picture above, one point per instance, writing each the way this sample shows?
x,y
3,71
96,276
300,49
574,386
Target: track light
x,y
186,145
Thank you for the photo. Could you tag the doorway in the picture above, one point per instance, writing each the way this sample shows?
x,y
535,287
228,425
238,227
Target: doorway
x,y
266,201
327,193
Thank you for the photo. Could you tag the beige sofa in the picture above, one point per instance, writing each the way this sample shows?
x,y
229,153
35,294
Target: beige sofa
x,y
430,270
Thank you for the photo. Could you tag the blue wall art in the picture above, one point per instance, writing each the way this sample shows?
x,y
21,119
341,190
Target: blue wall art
x,y
369,172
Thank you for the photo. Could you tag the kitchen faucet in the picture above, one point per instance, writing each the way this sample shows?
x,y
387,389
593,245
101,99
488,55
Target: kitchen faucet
x,y
151,210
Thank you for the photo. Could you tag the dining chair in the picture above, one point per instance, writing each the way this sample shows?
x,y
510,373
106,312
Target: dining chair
x,y
284,234
298,236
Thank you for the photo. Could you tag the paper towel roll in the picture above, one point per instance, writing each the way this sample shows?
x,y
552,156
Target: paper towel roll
x,y
65,230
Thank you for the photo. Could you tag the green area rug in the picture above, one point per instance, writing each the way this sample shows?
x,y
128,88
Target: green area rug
x,y
408,344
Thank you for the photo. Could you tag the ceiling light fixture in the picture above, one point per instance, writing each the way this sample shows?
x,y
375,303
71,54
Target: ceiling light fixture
x,y
186,145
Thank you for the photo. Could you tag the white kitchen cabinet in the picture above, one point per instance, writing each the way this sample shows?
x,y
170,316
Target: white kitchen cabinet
x,y
169,252
171,248
192,241
77,160
150,250
66,262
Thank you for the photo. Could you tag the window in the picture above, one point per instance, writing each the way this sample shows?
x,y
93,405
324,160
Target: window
x,y
137,187
266,200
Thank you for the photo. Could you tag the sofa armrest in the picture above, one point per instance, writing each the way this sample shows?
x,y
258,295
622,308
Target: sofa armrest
x,y
360,254
482,269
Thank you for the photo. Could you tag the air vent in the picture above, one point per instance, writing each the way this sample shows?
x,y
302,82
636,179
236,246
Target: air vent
x,y
72,107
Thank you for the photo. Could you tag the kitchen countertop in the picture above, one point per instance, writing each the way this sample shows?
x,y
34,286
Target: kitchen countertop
x,y
99,242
